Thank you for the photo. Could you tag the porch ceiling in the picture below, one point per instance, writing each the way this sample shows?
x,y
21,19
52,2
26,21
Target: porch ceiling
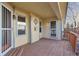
x,y
42,9
59,8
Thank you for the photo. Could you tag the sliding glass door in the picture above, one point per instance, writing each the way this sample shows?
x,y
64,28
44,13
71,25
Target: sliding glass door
x,y
6,29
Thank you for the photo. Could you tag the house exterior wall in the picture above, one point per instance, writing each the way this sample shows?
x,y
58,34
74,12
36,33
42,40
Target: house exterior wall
x,y
46,29
59,29
21,39
24,39
35,35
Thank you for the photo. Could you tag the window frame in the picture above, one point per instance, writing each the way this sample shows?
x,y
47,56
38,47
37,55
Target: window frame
x,y
24,25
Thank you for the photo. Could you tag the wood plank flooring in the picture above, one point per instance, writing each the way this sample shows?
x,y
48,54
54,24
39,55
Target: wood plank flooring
x,y
44,47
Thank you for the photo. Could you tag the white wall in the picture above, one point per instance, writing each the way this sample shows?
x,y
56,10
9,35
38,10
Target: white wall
x,y
24,39
58,29
21,39
18,40
46,29
34,33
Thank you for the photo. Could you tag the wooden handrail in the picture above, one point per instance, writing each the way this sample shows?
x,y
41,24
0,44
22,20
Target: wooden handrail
x,y
72,37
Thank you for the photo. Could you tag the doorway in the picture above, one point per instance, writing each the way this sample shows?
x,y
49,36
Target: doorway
x,y
53,29
6,30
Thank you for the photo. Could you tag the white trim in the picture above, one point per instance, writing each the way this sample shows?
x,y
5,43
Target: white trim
x,y
11,26
2,4
21,23
5,29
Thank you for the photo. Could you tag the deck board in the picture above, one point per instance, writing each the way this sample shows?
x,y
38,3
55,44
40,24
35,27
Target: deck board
x,y
47,47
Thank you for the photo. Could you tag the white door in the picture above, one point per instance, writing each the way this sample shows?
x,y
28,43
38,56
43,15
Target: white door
x,y
6,31
53,29
34,29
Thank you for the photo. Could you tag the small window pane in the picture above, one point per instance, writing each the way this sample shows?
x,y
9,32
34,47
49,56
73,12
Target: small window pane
x,y
53,24
21,19
6,39
6,18
40,27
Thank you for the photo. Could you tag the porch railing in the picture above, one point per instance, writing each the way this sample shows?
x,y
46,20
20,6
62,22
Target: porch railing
x,y
71,37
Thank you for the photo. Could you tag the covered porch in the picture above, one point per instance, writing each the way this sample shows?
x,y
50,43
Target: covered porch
x,y
33,29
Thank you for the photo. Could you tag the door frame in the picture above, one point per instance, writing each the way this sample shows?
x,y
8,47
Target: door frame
x,y
1,4
50,29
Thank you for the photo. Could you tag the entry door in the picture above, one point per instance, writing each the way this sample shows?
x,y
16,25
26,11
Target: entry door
x,y
6,30
53,28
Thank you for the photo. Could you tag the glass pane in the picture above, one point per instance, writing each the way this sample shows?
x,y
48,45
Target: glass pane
x,y
9,38
21,25
53,33
21,19
53,24
40,28
6,18
3,17
21,29
6,39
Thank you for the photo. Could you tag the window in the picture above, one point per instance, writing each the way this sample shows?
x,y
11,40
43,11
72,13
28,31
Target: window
x,y
53,24
40,27
6,29
21,25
